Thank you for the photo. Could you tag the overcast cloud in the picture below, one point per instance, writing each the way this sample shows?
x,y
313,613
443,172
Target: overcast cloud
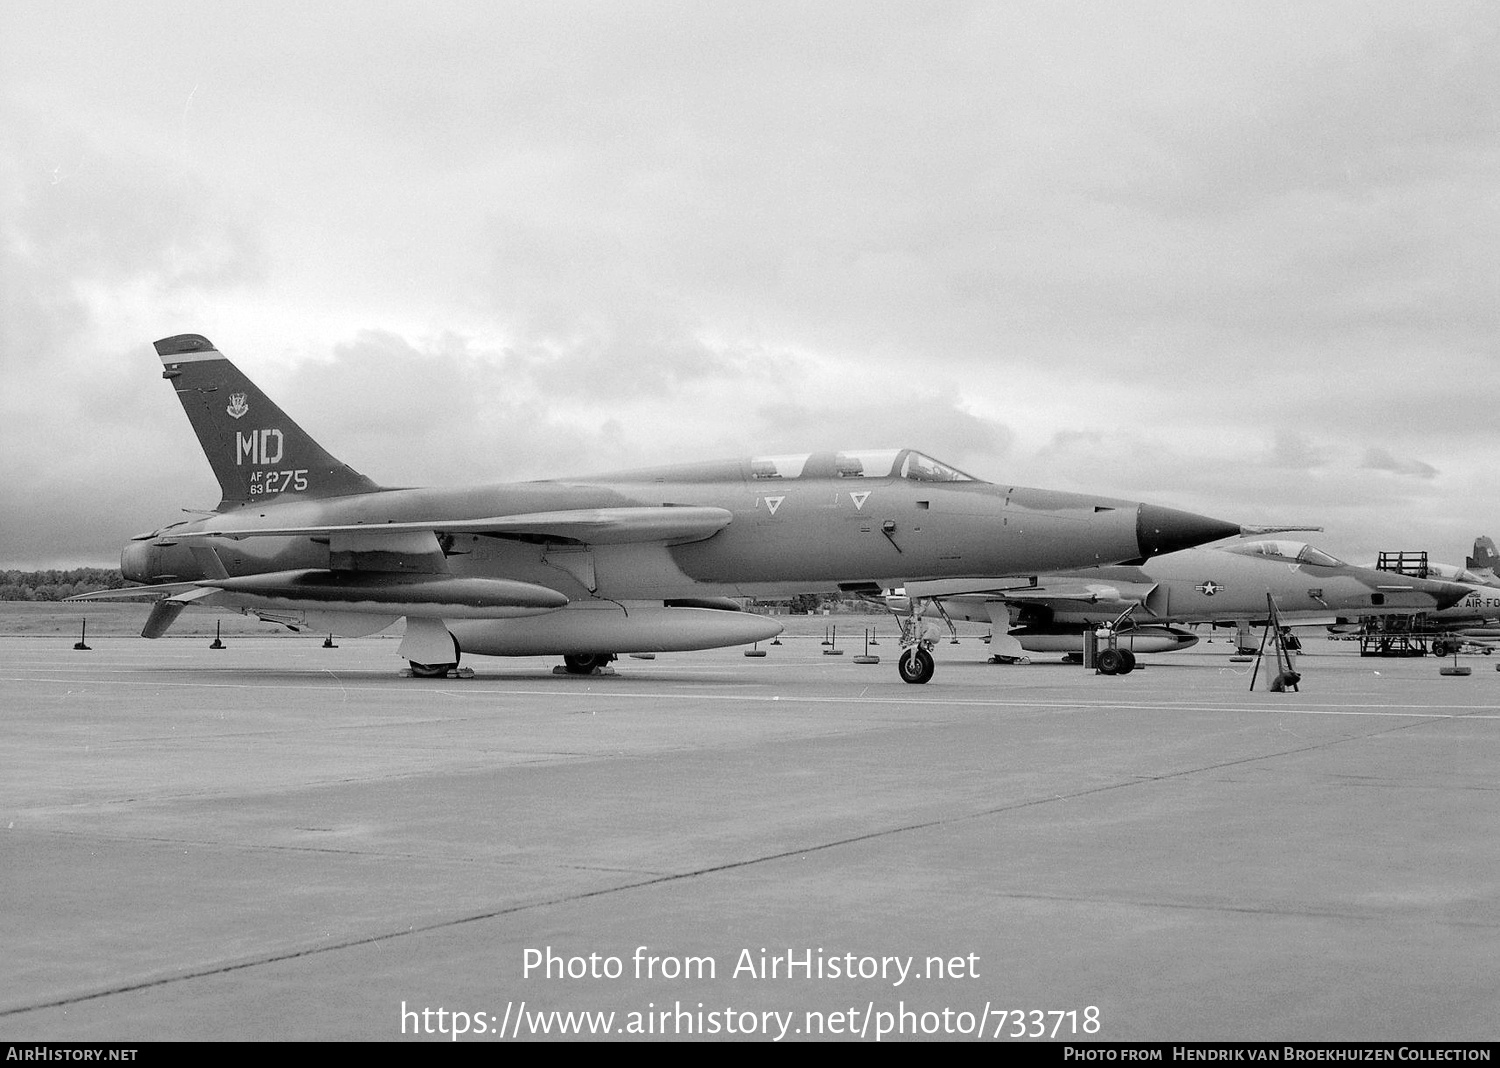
x,y
1239,258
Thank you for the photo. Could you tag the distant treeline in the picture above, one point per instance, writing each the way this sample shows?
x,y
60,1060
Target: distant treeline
x,y
54,585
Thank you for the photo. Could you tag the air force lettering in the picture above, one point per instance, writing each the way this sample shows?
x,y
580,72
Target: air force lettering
x,y
259,446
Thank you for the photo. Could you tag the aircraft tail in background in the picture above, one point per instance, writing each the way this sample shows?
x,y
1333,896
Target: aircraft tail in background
x,y
1485,559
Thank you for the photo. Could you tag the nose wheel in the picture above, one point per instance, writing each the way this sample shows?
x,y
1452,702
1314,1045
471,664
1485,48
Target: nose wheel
x,y
916,665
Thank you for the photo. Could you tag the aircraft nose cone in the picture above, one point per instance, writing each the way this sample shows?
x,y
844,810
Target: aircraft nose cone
x,y
1165,530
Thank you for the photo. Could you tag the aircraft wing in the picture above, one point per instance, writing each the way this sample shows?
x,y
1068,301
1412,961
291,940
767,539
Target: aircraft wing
x,y
1121,593
995,587
366,593
676,524
1045,591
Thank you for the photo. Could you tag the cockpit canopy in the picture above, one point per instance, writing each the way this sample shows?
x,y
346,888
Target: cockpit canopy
x,y
1450,573
1291,552
875,463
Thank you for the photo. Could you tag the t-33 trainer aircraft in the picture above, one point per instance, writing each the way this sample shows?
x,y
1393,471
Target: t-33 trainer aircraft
x,y
588,568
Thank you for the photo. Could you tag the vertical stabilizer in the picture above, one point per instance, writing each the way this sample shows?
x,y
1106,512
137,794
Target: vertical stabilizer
x,y
1484,558
257,452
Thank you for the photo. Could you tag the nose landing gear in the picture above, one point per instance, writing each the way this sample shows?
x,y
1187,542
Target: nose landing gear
x,y
918,637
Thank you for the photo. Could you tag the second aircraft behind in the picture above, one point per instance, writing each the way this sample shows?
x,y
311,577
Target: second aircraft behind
x,y
1225,585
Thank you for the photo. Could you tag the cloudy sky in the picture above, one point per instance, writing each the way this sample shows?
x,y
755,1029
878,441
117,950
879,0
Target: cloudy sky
x,y
1241,258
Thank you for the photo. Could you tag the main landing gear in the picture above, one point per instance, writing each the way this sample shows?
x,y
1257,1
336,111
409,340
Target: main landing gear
x,y
586,663
435,644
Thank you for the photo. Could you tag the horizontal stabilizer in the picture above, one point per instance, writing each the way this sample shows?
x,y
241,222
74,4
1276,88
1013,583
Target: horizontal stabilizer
x,y
165,589
594,526
165,612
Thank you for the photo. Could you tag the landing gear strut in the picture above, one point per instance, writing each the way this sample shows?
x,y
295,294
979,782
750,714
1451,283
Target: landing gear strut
x,y
918,637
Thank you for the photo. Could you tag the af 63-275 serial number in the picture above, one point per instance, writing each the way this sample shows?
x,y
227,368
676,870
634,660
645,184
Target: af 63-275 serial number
x,y
263,482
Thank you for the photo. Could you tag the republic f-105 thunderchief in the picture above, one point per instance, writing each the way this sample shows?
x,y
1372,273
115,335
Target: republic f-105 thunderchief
x,y
588,568
1223,585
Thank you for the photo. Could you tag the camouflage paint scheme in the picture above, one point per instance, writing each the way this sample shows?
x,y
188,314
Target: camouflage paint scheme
x,y
637,561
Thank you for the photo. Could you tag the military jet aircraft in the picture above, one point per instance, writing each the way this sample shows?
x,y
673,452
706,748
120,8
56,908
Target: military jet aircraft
x,y
1225,585
629,562
1472,621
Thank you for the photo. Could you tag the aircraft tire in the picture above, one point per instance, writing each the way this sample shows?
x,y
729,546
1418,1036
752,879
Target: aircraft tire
x,y
585,663
1110,662
916,666
1440,648
436,671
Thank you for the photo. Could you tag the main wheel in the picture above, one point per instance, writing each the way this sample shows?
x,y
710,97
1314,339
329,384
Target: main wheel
x,y
1440,648
916,666
585,663
436,671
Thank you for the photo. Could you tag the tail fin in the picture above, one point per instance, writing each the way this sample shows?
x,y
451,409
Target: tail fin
x,y
1485,557
256,451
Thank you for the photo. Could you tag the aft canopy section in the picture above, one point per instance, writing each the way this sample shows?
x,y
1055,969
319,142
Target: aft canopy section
x,y
1291,552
